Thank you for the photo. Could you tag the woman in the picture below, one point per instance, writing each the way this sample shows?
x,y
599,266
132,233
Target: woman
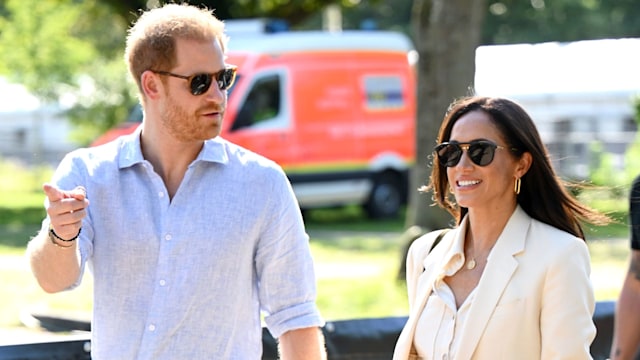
x,y
511,281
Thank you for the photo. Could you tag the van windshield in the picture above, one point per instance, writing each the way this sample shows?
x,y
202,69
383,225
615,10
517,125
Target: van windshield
x,y
230,90
262,104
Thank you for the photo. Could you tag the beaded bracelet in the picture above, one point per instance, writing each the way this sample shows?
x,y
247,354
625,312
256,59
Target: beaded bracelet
x,y
52,235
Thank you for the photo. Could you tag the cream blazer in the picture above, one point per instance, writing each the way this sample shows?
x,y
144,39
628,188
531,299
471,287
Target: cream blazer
x,y
534,300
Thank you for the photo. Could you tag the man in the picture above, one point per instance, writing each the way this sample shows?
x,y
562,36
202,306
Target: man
x,y
188,236
626,336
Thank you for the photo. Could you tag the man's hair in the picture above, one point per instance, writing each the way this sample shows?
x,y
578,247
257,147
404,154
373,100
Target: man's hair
x,y
151,41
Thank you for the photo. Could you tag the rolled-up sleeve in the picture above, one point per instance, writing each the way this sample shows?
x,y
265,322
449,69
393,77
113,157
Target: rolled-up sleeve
x,y
284,266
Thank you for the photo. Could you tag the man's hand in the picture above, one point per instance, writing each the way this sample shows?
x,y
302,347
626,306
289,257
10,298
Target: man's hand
x,y
66,209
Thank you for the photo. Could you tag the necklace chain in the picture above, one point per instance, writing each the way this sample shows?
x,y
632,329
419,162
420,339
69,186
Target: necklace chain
x,y
472,262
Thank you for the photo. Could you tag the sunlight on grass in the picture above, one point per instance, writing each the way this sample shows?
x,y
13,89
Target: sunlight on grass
x,y
357,277
20,293
608,266
24,186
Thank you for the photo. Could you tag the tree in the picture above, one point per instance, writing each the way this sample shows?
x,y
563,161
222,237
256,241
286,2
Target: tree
x,y
41,47
72,50
447,33
534,21
294,12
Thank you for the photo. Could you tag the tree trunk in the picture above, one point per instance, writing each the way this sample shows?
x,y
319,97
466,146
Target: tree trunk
x,y
447,33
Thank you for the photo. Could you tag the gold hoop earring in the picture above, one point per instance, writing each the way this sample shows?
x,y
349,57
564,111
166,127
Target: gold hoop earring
x,y
516,188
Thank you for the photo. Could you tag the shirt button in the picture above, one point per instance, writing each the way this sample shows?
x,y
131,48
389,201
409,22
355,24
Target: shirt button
x,y
152,327
160,194
163,283
167,237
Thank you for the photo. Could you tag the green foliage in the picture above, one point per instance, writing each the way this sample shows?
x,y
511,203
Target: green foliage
x,y
103,101
21,201
18,183
636,107
381,14
294,12
40,45
69,52
351,218
603,170
517,21
100,26
632,156
632,160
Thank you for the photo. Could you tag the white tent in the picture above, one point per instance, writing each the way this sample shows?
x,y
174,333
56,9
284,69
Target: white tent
x,y
578,93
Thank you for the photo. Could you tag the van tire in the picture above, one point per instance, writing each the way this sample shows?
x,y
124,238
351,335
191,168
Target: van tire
x,y
386,197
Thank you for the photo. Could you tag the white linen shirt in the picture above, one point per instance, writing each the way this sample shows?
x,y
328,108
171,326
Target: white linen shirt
x,y
187,278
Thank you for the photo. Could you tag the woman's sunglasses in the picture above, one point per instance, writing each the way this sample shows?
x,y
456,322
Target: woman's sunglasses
x,y
481,152
201,82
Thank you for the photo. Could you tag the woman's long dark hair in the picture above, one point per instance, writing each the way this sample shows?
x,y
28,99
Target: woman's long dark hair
x,y
543,195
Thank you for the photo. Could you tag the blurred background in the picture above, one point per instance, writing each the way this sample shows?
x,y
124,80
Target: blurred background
x,y
573,64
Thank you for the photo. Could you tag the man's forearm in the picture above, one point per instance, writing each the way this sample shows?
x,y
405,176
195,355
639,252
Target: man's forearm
x,y
302,344
56,267
626,337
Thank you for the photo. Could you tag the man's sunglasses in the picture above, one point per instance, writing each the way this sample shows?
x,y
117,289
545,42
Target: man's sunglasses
x,y
481,152
201,82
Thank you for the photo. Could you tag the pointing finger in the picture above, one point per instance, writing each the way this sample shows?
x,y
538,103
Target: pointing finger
x,y
52,192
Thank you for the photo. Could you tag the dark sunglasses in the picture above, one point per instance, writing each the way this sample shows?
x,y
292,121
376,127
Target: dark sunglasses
x,y
201,82
481,152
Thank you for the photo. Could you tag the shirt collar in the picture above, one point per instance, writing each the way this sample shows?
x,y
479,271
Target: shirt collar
x,y
454,257
214,150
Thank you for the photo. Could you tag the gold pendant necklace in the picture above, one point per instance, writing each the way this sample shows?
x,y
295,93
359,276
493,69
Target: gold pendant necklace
x,y
471,264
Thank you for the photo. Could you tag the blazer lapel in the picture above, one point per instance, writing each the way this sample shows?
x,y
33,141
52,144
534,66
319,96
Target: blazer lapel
x,y
494,280
432,265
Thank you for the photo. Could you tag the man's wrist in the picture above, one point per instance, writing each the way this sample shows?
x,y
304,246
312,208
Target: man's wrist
x,y
60,242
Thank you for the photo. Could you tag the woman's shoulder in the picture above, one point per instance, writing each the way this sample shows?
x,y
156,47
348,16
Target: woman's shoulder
x,y
548,236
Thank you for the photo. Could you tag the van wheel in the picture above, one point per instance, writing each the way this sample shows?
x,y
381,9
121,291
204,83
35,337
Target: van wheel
x,y
385,198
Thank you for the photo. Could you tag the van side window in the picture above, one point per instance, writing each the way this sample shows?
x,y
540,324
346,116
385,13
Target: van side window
x,y
384,92
262,103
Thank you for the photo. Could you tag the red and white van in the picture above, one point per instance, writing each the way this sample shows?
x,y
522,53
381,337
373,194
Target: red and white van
x,y
335,110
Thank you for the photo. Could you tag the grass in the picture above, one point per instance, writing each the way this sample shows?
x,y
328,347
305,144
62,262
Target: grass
x,y
357,275
356,259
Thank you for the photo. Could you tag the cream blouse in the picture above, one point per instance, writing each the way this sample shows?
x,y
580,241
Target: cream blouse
x,y
439,325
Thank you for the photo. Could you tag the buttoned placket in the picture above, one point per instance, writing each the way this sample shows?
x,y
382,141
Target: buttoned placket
x,y
156,305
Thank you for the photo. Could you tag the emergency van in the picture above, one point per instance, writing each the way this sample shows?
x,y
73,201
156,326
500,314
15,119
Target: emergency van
x,y
336,110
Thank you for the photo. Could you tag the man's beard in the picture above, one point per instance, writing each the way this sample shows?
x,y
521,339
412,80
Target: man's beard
x,y
185,126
